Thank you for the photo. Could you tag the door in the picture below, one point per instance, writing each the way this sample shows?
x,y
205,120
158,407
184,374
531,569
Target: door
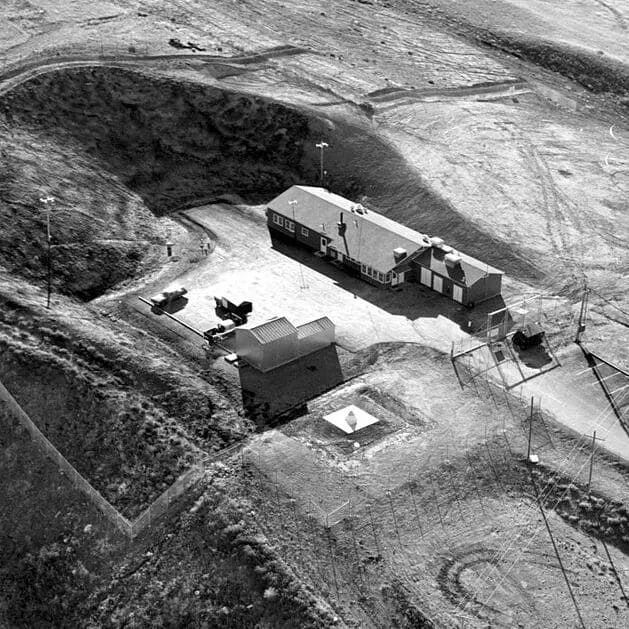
x,y
437,283
426,277
400,277
393,278
323,247
457,293
339,256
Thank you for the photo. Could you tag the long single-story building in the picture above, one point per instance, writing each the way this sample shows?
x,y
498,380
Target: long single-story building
x,y
377,248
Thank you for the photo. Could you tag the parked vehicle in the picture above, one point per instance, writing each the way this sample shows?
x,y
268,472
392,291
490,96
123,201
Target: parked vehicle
x,y
530,335
226,309
165,297
219,330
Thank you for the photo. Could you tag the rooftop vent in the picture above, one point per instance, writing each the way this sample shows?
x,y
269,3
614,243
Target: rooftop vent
x,y
435,241
358,208
399,254
452,258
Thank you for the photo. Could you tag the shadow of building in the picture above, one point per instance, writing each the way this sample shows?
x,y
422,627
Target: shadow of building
x,y
284,391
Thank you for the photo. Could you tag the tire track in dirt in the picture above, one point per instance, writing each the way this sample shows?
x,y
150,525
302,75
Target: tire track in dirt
x,y
12,78
505,88
620,19
558,212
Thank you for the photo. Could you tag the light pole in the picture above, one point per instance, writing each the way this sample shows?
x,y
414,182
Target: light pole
x,y
47,201
322,145
292,204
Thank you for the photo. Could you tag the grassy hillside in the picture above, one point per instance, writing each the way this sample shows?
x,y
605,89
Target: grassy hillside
x,y
101,233
199,142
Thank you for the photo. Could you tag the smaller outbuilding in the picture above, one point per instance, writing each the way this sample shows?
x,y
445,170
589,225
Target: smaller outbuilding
x,y
315,335
273,343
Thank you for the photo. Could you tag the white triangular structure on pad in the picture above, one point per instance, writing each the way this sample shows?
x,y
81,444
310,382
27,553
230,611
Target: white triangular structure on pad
x,y
351,419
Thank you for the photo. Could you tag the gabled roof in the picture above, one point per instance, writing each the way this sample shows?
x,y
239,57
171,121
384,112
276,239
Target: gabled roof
x,y
271,330
312,327
370,238
467,272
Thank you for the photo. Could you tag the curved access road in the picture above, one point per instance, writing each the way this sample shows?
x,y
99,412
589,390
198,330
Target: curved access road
x,y
13,75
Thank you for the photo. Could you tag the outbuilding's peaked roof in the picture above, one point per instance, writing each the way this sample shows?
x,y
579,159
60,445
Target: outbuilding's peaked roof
x,y
272,330
369,238
312,327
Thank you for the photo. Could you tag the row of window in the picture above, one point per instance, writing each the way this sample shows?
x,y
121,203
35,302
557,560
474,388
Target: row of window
x,y
289,225
383,278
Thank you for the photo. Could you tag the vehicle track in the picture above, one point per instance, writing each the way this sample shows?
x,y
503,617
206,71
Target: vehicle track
x,y
558,212
499,87
15,76
620,19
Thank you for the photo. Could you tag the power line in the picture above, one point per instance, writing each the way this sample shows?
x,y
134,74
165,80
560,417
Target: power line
x,y
538,528
610,302
508,545
552,539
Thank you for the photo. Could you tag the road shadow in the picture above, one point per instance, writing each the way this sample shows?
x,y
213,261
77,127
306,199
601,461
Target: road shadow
x,y
411,300
268,397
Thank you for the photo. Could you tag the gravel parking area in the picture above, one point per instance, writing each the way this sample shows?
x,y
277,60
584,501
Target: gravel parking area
x,y
288,281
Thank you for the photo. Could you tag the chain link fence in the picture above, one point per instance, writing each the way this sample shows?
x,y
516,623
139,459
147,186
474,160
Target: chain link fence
x,y
157,509
62,463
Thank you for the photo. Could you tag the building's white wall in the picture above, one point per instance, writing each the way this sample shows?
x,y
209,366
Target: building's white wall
x,y
248,347
278,352
316,341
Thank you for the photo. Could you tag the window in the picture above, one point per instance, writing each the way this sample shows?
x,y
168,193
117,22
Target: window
x,y
305,232
290,226
278,220
387,277
380,277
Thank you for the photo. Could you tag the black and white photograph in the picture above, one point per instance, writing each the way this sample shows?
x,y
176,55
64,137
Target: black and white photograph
x,y
314,314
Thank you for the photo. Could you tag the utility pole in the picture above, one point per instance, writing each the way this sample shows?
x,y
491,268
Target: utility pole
x,y
594,438
302,284
47,201
292,204
322,145
583,312
552,539
528,452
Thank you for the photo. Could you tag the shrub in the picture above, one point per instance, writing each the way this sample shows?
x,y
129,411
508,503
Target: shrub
x,y
270,593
